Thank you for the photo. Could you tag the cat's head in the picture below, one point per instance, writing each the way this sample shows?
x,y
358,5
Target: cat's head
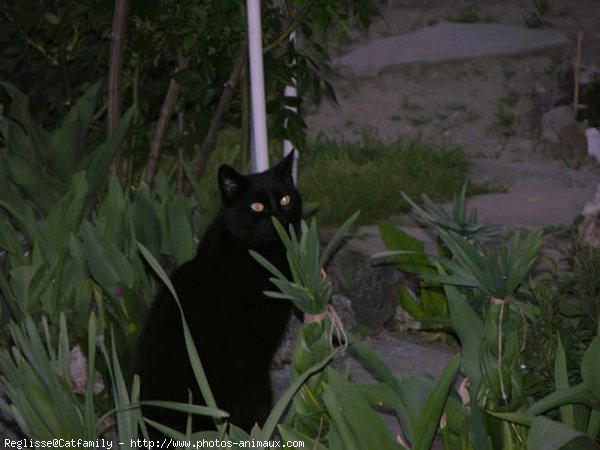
x,y
249,202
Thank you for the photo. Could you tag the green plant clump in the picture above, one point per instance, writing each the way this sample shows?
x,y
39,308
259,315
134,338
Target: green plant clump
x,y
514,397
344,177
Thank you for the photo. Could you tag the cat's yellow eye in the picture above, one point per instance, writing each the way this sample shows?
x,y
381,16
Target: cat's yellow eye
x,y
257,207
285,200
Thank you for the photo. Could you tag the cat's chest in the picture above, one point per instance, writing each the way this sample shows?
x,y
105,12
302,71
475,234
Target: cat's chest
x,y
231,277
228,294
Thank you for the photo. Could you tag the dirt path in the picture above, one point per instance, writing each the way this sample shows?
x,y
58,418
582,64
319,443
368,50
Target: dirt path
x,y
491,106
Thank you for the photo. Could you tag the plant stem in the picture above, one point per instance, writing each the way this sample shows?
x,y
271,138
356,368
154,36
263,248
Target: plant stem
x,y
181,62
500,318
164,120
284,36
115,75
65,75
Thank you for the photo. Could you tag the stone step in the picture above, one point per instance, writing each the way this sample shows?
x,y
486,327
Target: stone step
x,y
445,42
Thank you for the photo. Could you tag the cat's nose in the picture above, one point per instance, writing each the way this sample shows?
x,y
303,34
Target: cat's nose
x,y
282,219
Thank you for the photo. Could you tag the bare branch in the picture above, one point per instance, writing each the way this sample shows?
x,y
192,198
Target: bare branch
x,y
162,126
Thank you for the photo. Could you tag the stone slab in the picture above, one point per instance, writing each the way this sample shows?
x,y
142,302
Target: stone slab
x,y
445,42
540,193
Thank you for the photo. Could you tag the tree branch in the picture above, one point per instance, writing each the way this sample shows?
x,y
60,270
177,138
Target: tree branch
x,y
293,24
181,62
162,126
115,75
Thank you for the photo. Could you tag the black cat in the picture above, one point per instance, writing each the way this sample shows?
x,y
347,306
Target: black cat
x,y
236,328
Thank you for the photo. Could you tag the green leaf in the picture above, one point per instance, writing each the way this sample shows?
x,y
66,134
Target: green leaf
x,y
23,283
470,331
24,217
561,380
96,165
17,141
378,394
107,264
433,301
590,367
520,419
33,179
309,209
575,394
396,239
478,434
51,18
427,423
66,146
180,231
145,222
187,408
167,431
410,305
9,240
336,238
593,428
283,402
66,215
290,434
350,413
126,420
110,215
546,434
377,366
33,139
195,362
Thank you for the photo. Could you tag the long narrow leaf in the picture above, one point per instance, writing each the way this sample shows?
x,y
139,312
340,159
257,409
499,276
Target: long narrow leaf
x,y
561,380
189,341
377,366
427,423
288,395
331,246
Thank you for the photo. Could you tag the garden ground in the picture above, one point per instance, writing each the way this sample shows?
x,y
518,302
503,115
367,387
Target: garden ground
x,y
490,104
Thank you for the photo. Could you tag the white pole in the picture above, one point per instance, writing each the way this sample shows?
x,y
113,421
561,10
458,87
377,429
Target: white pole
x,y
291,91
260,148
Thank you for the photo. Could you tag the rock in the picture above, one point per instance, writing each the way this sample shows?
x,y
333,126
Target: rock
x,y
573,137
343,266
444,42
593,142
554,121
545,100
374,294
343,308
79,372
8,428
589,229
285,353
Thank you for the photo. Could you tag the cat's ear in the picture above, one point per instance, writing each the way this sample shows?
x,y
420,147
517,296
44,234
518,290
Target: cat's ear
x,y
284,167
230,183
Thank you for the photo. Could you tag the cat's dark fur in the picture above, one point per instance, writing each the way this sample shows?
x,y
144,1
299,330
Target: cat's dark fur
x,y
235,327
